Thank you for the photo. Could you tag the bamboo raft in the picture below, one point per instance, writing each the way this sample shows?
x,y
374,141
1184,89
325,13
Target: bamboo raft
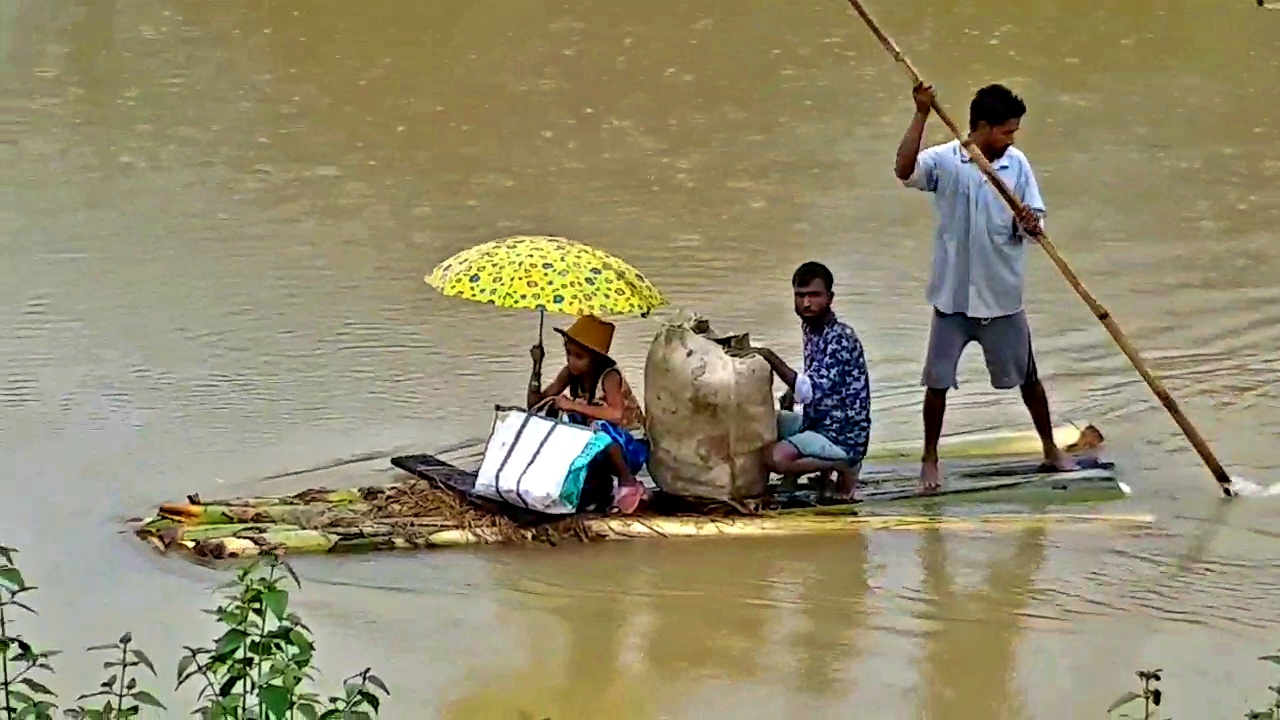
x,y
433,509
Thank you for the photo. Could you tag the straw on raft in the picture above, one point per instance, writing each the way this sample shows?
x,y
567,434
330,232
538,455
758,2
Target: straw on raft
x,y
422,514
414,514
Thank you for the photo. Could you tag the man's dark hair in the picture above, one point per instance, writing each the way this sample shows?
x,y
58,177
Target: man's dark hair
x,y
811,271
995,105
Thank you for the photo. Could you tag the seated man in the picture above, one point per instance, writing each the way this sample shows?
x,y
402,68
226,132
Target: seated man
x,y
834,387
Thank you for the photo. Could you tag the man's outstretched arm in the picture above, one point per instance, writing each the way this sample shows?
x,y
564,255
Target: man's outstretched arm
x,y
780,368
909,149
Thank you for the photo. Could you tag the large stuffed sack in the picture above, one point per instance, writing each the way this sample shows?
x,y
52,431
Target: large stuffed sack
x,y
709,415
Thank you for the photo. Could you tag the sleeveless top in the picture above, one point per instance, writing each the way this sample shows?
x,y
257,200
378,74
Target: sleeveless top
x,y
632,414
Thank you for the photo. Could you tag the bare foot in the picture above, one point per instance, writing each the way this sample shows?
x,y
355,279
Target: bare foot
x,y
930,476
846,483
1061,461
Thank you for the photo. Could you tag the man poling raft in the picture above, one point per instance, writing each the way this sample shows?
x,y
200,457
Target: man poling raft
x,y
979,262
1030,225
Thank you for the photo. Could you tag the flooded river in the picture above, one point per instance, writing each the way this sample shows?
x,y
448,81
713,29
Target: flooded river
x,y
218,216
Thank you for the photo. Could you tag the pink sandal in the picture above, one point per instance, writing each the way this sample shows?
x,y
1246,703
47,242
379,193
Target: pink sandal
x,y
627,498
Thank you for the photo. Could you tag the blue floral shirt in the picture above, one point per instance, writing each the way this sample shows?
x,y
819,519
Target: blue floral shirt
x,y
836,369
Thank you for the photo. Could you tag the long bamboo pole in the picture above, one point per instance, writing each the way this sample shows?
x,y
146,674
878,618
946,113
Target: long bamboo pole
x,y
1100,312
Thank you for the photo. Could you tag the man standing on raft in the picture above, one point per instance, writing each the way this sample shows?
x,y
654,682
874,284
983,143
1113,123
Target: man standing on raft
x,y
979,262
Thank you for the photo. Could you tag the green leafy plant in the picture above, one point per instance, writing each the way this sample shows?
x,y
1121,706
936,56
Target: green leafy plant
x,y
122,698
257,669
1273,712
21,695
1150,696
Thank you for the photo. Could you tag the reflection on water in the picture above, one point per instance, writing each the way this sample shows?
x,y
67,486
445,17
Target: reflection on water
x,y
635,636
958,681
211,270
642,632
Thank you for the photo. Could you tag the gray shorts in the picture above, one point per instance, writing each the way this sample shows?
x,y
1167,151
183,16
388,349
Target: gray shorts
x,y
1006,346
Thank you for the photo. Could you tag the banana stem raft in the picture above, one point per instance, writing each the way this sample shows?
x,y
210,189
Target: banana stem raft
x,y
432,511
212,531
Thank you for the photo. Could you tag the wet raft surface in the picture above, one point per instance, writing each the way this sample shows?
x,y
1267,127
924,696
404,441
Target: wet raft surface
x,y
436,508
1095,478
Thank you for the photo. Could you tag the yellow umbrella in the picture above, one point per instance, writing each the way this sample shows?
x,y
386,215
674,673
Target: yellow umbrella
x,y
546,273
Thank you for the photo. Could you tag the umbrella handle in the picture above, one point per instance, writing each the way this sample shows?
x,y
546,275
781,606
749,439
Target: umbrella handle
x,y
542,314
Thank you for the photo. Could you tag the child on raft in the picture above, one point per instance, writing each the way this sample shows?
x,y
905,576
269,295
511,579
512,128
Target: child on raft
x,y
598,395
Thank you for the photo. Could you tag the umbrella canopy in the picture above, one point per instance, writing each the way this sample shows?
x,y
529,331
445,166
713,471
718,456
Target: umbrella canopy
x,y
546,273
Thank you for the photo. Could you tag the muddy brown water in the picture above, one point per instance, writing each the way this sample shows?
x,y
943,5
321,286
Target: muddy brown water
x,y
218,219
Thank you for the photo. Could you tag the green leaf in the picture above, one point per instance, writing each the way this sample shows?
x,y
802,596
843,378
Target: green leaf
x,y
276,700
24,606
228,685
376,681
1123,700
21,697
230,641
308,711
11,578
145,698
301,641
97,648
370,699
1271,659
146,661
292,575
277,601
35,687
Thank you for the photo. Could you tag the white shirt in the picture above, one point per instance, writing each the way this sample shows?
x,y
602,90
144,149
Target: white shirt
x,y
979,251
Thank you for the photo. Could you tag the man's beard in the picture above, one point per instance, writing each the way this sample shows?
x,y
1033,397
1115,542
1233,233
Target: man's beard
x,y
816,319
